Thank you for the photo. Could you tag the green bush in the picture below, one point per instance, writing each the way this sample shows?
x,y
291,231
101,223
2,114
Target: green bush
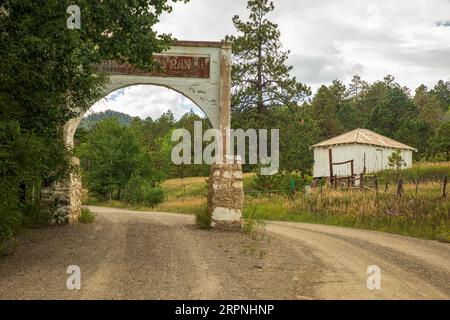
x,y
203,219
139,191
152,196
86,216
10,220
133,190
35,216
282,181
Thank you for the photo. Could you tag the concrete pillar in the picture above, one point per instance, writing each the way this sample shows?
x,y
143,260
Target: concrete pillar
x,y
226,191
225,95
226,194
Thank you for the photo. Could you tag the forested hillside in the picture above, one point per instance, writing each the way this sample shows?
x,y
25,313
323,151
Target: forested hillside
x,y
92,119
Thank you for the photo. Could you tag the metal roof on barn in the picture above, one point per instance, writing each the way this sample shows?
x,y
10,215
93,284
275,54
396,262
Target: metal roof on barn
x,y
363,136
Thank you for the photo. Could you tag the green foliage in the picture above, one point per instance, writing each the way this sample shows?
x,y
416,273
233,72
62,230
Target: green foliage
x,y
260,76
328,101
46,74
442,92
297,132
129,162
92,119
153,196
27,160
391,112
116,163
139,191
203,219
430,109
252,220
133,192
395,160
416,133
441,140
35,216
10,220
109,158
86,216
282,181
186,170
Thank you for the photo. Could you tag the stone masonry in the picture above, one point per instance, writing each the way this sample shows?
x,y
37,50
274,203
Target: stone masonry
x,y
63,198
226,194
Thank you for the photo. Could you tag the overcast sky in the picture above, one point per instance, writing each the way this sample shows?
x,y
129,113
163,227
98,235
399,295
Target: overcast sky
x,y
328,40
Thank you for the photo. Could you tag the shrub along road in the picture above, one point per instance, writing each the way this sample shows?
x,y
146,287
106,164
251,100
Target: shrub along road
x,y
146,255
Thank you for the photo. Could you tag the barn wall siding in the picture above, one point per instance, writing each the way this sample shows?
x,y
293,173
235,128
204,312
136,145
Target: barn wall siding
x,y
375,158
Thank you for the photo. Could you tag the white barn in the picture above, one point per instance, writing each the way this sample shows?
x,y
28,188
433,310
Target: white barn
x,y
366,148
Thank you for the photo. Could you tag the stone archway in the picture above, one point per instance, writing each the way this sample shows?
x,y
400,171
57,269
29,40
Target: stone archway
x,y
201,71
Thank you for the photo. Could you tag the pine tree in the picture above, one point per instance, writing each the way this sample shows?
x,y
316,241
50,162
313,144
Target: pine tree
x,y
430,109
260,76
325,107
442,91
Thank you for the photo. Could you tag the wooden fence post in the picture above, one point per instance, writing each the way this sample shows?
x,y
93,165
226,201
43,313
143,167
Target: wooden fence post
x,y
376,185
444,195
400,187
352,170
386,189
361,181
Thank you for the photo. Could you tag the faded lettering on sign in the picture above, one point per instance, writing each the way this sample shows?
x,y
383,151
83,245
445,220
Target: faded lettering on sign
x,y
170,66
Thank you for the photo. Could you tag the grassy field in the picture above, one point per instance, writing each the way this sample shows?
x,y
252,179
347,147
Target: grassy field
x,y
426,171
186,195
425,214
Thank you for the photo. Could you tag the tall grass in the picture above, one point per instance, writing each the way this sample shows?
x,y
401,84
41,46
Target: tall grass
x,y
425,215
424,171
86,216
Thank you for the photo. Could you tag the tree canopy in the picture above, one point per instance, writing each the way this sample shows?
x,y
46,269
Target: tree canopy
x,y
47,76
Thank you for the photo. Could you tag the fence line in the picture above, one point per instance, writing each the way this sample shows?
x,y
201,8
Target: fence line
x,y
399,189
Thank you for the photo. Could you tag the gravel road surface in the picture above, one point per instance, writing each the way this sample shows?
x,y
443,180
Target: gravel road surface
x,y
151,255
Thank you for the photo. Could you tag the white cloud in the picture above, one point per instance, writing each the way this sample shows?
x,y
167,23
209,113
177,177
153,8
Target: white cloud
x,y
146,101
328,40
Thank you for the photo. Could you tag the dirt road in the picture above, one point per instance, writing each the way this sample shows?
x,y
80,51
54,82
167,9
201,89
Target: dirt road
x,y
145,255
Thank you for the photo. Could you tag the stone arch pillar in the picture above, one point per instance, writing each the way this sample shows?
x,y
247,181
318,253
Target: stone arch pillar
x,y
201,71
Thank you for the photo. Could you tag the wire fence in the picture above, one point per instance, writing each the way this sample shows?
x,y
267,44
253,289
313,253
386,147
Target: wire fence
x,y
362,183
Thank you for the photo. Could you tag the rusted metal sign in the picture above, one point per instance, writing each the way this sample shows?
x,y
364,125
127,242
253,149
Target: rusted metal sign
x,y
170,66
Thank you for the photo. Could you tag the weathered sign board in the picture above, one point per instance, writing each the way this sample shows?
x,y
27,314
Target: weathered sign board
x,y
169,66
